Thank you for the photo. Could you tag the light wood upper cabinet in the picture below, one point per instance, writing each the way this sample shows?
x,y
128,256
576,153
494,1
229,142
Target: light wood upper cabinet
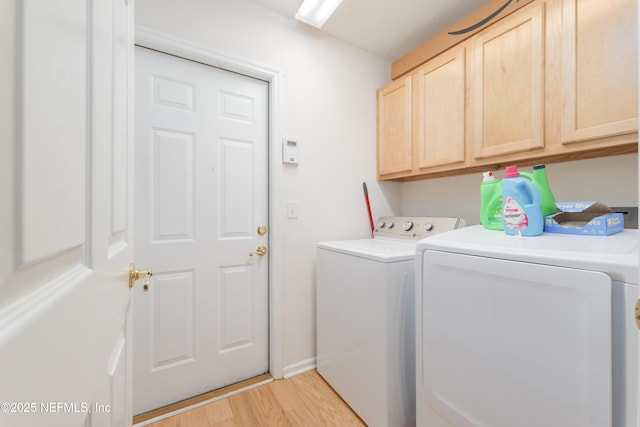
x,y
421,118
508,85
440,121
599,71
394,128
555,80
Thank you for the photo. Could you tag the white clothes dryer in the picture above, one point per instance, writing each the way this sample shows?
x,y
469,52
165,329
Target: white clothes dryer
x,y
366,318
528,332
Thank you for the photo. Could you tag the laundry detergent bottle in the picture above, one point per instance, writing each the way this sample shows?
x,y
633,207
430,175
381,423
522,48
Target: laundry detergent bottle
x,y
521,212
490,202
541,181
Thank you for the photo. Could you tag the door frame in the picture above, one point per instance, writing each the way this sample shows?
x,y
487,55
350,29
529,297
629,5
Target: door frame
x,y
166,43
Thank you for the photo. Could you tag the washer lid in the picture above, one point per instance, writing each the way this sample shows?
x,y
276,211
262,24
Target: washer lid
x,y
616,255
381,250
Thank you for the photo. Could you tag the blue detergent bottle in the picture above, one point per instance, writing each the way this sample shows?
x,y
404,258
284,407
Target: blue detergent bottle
x,y
521,211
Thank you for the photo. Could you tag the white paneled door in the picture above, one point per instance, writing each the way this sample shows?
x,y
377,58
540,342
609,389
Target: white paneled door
x,y
65,212
201,200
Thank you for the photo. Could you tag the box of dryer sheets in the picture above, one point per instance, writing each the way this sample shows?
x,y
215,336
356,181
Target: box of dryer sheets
x,y
587,218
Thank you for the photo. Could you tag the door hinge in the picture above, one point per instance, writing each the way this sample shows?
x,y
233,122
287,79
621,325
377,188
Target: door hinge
x,y
638,313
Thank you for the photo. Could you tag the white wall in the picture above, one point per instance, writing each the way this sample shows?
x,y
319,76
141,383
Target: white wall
x,y
8,120
328,106
610,180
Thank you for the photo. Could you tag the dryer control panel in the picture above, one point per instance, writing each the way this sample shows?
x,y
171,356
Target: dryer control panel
x,y
415,227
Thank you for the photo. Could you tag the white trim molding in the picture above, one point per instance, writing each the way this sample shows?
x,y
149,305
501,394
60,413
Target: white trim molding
x,y
300,367
19,314
170,44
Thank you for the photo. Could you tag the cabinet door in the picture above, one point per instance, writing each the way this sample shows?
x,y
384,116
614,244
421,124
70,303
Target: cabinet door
x,y
600,69
394,128
508,88
441,110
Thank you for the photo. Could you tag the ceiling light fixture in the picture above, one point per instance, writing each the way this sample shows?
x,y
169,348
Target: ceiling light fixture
x,y
316,12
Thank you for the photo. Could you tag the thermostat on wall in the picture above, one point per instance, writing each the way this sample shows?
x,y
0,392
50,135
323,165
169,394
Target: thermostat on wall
x,y
289,151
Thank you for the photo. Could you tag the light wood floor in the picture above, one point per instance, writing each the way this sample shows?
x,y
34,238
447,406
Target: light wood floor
x,y
302,400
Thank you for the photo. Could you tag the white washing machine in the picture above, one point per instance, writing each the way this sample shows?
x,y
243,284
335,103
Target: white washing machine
x,y
527,332
365,318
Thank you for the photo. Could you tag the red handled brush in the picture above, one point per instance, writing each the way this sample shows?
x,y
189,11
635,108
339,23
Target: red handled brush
x,y
366,199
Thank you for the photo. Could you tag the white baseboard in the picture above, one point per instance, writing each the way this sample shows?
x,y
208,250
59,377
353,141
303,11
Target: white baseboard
x,y
299,367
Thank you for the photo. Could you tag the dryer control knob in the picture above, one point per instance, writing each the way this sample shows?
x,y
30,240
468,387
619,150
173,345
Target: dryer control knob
x,y
381,224
428,226
390,225
407,226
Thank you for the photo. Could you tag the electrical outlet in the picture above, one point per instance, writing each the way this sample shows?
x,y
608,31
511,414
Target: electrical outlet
x,y
630,215
292,209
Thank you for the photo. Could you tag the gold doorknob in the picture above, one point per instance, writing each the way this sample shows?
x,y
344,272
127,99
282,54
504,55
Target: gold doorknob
x,y
139,274
262,230
261,250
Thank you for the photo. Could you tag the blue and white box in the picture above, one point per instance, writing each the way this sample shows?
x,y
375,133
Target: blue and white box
x,y
585,218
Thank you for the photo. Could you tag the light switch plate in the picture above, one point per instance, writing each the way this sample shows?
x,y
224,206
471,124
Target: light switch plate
x,y
292,209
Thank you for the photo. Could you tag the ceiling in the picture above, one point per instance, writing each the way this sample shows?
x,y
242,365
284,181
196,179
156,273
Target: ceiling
x,y
387,28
